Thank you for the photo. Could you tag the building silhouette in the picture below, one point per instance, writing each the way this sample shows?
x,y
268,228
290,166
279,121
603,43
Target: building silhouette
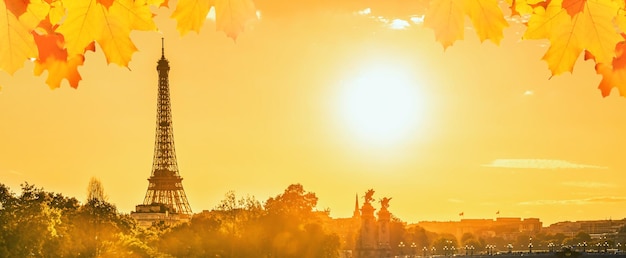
x,y
507,228
165,200
374,237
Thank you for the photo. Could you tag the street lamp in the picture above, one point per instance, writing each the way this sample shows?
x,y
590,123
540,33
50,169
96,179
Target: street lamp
x,y
530,245
551,247
584,246
489,249
453,251
445,250
425,249
471,250
401,247
413,249
618,246
466,249
510,246
606,246
433,251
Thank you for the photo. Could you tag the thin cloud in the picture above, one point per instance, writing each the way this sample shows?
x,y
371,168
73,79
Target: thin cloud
x,y
364,12
455,200
588,184
9,171
399,24
603,199
417,19
539,164
394,24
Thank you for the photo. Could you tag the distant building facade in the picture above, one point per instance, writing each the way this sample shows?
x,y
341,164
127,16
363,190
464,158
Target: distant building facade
x,y
595,228
507,228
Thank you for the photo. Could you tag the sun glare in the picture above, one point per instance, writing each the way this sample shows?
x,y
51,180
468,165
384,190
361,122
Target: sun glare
x,y
380,106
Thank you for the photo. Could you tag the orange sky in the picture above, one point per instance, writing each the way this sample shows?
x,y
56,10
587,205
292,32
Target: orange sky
x,y
493,133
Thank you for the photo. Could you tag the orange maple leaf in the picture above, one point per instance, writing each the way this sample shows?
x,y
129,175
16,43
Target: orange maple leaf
x,y
614,74
231,16
573,7
106,3
591,29
17,20
54,58
89,20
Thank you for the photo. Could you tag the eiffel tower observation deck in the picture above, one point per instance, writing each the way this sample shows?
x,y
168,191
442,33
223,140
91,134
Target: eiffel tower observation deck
x,y
165,200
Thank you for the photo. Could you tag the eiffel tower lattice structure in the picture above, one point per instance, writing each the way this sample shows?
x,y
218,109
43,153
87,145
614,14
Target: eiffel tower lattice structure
x,y
165,188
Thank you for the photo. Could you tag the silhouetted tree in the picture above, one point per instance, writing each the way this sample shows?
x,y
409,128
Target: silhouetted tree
x,y
95,190
397,234
445,241
419,236
294,202
292,229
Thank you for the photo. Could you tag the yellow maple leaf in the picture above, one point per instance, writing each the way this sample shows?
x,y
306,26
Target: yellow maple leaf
x,y
231,16
590,28
487,18
57,11
191,15
545,21
17,20
523,7
89,20
620,19
446,18
159,3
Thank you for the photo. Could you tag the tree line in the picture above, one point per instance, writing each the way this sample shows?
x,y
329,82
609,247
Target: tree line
x,y
38,223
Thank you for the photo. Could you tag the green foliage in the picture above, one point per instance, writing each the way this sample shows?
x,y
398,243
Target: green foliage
x,y
44,224
37,223
32,223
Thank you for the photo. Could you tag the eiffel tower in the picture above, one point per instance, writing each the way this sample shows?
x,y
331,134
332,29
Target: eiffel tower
x,y
165,189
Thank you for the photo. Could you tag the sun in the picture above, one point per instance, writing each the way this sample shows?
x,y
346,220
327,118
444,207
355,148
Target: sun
x,y
381,106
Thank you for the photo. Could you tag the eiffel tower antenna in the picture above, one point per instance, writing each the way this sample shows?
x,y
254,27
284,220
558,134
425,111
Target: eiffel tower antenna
x,y
162,48
165,186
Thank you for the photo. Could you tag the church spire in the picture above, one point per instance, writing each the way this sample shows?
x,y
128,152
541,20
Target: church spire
x,y
357,213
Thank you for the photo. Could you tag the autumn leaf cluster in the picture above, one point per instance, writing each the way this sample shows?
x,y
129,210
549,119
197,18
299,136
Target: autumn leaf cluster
x,y
55,34
593,28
